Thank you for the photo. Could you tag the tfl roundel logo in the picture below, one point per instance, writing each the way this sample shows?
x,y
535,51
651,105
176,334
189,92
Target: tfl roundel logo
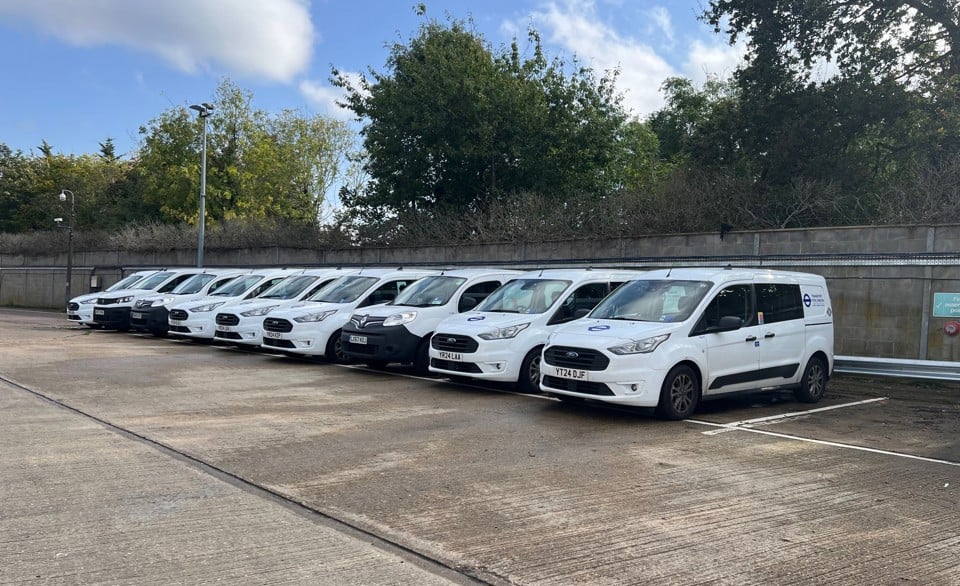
x,y
476,318
806,299
598,328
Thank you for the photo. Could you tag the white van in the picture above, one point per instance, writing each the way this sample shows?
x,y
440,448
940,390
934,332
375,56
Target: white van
x,y
502,339
151,313
195,318
312,327
80,308
112,310
674,337
241,322
399,331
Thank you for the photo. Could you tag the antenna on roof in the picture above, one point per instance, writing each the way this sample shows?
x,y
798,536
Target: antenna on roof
x,y
670,270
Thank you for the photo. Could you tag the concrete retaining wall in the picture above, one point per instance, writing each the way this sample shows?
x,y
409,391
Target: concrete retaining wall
x,y
882,279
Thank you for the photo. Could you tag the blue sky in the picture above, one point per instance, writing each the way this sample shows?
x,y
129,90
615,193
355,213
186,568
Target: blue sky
x,y
79,71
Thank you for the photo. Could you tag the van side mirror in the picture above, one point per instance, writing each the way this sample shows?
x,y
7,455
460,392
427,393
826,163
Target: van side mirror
x,y
466,303
728,323
580,313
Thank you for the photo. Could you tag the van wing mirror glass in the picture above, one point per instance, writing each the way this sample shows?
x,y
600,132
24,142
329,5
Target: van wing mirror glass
x,y
467,302
580,313
728,323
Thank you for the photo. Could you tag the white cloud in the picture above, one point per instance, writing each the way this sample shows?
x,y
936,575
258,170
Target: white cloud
x,y
268,40
324,98
574,25
718,60
660,16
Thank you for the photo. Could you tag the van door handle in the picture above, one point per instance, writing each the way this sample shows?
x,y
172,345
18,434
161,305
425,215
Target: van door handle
x,y
769,335
751,339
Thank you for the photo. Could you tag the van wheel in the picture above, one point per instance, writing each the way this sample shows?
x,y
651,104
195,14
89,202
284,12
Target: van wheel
x,y
529,381
813,383
334,351
680,394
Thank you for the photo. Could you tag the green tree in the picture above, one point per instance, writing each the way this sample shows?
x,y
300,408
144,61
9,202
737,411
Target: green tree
x,y
453,124
258,165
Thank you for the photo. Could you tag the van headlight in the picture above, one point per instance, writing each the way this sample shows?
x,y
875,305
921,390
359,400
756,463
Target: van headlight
x,y
259,311
504,333
161,301
398,319
207,307
639,346
126,299
88,301
314,317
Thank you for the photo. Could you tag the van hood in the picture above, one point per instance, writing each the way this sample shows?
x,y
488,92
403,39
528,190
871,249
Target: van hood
x,y
608,332
384,310
126,293
476,322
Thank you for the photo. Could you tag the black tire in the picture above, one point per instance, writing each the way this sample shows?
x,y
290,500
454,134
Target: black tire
x,y
421,362
334,351
529,381
680,393
813,383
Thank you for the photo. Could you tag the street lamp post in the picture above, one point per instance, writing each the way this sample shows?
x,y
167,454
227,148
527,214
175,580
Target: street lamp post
x,y
203,110
70,221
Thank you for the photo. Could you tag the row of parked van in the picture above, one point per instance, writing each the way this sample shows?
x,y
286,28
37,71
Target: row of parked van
x,y
666,338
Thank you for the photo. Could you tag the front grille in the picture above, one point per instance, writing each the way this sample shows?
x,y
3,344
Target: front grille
x,y
580,358
228,335
107,300
227,319
278,343
576,386
276,324
73,306
453,343
180,329
365,321
455,366
178,314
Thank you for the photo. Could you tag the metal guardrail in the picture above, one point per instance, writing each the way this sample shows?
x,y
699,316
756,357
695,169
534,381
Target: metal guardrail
x,y
894,367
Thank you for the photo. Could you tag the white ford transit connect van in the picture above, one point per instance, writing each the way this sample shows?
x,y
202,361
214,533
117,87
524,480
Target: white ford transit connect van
x,y
674,337
502,339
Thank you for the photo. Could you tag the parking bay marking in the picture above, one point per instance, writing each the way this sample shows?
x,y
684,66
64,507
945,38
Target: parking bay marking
x,y
747,423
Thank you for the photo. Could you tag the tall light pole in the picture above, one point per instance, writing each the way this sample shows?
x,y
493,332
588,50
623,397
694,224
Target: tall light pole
x,y
203,110
70,220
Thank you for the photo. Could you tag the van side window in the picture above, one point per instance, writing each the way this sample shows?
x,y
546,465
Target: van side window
x,y
585,297
173,283
386,292
779,302
477,293
735,300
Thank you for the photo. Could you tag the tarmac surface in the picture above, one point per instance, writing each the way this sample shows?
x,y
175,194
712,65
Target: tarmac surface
x,y
133,459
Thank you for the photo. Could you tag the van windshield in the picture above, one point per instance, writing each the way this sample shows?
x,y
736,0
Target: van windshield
x,y
429,291
154,280
525,296
652,300
238,286
344,289
126,282
289,287
193,285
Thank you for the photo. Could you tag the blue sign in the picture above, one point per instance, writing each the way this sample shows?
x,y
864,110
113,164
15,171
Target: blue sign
x,y
476,318
946,305
598,328
806,299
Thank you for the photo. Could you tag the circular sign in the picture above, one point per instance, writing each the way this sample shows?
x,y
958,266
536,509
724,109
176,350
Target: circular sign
x,y
951,328
598,328
806,299
476,318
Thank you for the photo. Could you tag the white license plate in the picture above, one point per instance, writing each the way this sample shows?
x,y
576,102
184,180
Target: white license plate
x,y
98,312
137,315
357,339
176,322
225,328
275,335
573,373
454,356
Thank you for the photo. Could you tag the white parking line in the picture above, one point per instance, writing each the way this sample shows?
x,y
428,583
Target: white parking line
x,y
770,418
824,443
